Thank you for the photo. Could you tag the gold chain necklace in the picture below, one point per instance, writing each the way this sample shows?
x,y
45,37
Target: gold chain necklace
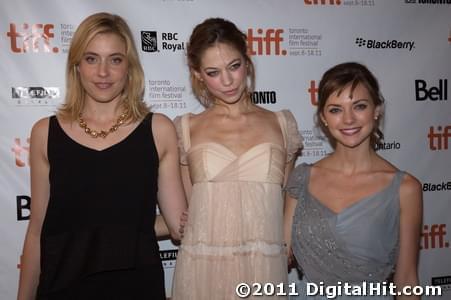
x,y
95,134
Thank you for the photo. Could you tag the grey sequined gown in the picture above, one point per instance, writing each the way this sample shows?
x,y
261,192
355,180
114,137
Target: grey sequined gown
x,y
358,244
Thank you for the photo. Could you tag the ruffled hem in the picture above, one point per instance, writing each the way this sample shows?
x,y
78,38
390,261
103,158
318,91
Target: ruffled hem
x,y
202,249
71,256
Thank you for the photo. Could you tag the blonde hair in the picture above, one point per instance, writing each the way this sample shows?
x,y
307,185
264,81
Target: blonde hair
x,y
133,93
206,35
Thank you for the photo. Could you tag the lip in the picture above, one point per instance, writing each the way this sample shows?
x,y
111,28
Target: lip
x,y
350,131
230,92
103,85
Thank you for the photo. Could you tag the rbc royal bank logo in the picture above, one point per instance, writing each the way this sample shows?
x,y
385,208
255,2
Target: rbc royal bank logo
x,y
35,38
149,41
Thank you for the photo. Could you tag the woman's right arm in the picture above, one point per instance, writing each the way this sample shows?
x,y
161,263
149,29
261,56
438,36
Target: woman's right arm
x,y
40,191
290,205
186,180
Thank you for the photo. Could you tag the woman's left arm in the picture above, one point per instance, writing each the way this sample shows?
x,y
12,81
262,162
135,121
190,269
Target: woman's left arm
x,y
411,212
171,197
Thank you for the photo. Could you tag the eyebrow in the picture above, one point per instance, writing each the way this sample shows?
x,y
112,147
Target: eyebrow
x,y
97,54
353,102
230,63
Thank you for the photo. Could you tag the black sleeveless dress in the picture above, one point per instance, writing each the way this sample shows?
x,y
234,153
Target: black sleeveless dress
x,y
98,239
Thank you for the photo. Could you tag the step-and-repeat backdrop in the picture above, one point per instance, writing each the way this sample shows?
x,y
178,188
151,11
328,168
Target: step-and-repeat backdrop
x,y
406,43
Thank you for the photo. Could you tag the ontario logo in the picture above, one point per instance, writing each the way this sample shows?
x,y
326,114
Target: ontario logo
x,y
387,44
264,97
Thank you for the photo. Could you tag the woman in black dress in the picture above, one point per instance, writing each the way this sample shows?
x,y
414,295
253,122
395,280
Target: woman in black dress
x,y
96,168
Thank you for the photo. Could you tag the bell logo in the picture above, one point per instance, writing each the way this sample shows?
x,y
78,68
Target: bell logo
x,y
261,44
34,38
439,138
434,93
322,2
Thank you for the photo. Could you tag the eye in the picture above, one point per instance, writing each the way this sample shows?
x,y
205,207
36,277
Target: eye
x,y
212,73
235,66
90,59
334,110
116,60
361,106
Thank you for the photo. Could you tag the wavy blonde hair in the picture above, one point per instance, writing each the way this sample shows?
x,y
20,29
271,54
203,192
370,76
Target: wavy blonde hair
x,y
133,93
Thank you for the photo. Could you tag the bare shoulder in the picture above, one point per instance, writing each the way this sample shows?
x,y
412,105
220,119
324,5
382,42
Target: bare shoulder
x,y
40,130
410,185
162,124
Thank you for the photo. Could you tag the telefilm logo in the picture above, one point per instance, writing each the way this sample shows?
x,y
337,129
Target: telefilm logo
x,y
433,237
443,281
428,1
437,92
264,97
387,44
169,41
37,95
23,204
33,38
168,258
437,187
439,137
265,41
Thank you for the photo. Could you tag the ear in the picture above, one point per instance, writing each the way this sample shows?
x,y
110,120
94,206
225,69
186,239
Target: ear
x,y
321,116
377,111
196,75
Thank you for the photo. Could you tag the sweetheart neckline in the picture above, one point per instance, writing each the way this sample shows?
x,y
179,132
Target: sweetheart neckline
x,y
230,151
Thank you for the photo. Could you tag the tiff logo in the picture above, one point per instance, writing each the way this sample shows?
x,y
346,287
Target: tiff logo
x,y
438,139
322,2
262,43
433,236
313,91
19,151
34,38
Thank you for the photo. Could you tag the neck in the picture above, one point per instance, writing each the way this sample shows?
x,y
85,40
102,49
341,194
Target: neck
x,y
102,111
233,110
353,160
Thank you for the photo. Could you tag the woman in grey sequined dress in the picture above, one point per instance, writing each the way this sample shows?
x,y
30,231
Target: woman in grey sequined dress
x,y
352,217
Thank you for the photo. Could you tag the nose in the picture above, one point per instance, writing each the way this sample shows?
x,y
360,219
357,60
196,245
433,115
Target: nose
x,y
348,116
103,69
226,78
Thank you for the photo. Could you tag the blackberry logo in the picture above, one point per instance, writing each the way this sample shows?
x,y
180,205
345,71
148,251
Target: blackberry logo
x,y
433,187
149,41
388,44
360,42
